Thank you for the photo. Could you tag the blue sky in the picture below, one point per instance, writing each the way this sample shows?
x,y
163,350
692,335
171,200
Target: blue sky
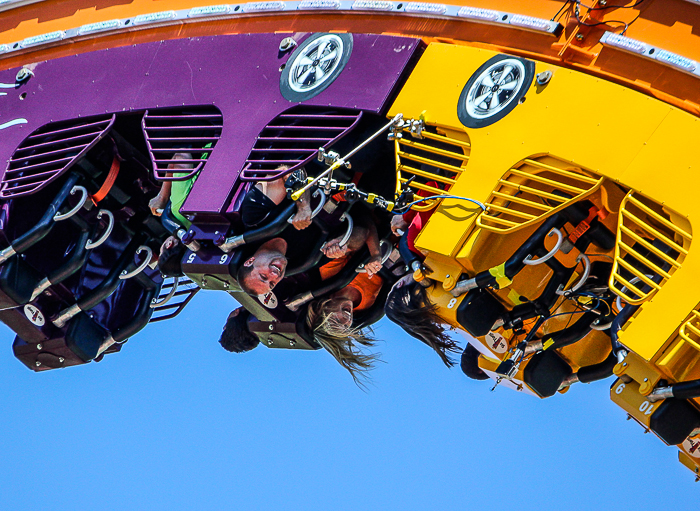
x,y
175,422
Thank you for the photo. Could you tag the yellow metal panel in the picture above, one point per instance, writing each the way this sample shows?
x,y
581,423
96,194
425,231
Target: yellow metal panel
x,y
592,123
688,462
627,397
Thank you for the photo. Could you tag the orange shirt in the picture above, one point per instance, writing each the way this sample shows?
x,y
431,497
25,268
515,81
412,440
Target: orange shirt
x,y
368,288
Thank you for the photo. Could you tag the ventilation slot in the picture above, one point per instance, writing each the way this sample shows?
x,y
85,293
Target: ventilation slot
x,y
193,132
49,152
431,161
533,190
186,289
293,138
650,247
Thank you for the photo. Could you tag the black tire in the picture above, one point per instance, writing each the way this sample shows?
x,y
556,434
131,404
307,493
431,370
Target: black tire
x,y
290,87
470,114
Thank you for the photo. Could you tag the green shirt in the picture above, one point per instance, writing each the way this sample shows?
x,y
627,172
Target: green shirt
x,y
179,192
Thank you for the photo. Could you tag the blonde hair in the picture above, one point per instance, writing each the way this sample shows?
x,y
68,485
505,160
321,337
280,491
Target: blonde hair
x,y
343,342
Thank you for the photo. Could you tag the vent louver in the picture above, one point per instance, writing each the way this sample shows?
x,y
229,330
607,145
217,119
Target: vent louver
x,y
533,190
293,139
170,131
49,152
651,245
432,162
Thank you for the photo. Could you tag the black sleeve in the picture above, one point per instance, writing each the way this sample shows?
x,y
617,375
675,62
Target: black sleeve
x,y
255,208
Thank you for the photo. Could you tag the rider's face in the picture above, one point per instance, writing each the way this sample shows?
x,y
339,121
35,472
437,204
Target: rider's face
x,y
268,269
340,310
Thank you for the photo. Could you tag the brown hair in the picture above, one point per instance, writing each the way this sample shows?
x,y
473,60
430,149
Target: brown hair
x,y
409,307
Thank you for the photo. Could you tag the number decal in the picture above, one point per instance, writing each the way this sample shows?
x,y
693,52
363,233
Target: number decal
x,y
452,303
223,259
619,388
646,407
190,259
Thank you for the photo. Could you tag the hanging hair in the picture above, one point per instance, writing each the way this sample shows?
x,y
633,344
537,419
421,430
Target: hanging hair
x,y
409,307
341,341
236,337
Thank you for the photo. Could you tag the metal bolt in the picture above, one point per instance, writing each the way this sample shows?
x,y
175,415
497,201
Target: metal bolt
x,y
292,343
23,74
61,359
37,363
646,379
39,346
269,341
287,44
271,328
579,37
447,276
624,364
544,77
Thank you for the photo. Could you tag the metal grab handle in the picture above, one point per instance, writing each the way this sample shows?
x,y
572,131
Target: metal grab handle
x,y
601,327
318,209
142,266
110,225
320,204
347,234
58,216
618,302
346,237
584,277
560,239
155,303
382,243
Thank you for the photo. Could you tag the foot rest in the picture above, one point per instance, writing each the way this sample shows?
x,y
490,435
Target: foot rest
x,y
17,282
84,336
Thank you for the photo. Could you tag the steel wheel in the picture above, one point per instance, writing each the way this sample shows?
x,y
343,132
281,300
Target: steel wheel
x,y
494,90
315,65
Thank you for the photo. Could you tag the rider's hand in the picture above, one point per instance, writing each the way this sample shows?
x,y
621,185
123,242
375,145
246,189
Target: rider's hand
x,y
333,250
157,204
302,218
373,265
397,222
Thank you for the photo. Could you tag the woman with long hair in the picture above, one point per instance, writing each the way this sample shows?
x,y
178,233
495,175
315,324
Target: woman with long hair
x,y
409,306
330,321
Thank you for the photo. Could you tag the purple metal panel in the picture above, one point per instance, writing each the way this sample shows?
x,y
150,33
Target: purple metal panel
x,y
239,74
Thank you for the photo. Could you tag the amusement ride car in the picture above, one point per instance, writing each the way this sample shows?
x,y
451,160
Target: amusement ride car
x,y
554,137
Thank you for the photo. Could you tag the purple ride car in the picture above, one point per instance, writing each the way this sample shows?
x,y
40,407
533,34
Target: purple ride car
x,y
87,138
